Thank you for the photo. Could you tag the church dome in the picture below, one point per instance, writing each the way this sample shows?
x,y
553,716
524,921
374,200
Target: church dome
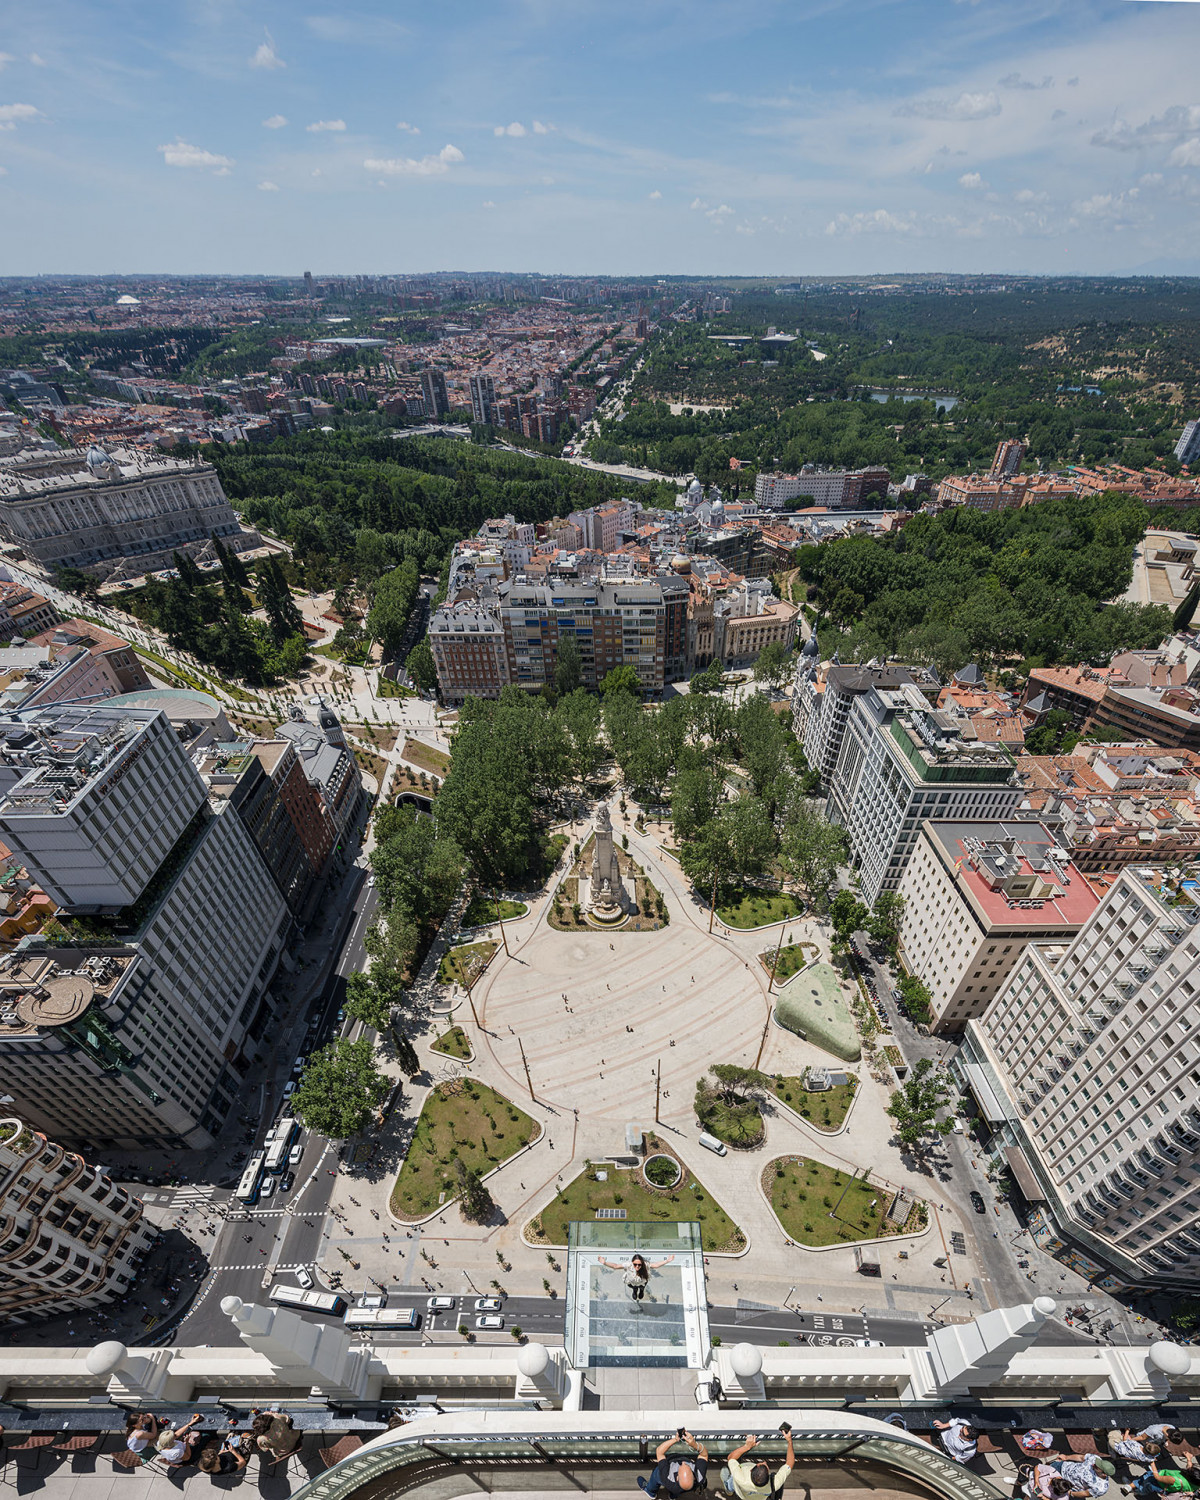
x,y
681,563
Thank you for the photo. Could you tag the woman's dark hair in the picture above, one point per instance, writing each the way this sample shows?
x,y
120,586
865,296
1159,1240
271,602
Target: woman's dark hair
x,y
1174,1435
760,1475
1059,1488
966,1433
210,1460
1152,1450
260,1425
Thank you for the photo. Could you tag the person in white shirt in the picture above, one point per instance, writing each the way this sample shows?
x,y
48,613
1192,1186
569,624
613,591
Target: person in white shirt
x,y
958,1439
175,1445
1088,1476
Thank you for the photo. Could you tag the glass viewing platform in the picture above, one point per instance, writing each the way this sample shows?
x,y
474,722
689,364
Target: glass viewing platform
x,y
607,1325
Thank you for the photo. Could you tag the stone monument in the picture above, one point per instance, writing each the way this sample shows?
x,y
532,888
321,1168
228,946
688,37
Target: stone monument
x,y
606,893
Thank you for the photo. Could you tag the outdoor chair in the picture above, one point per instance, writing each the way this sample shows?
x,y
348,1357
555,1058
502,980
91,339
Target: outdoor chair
x,y
1081,1442
78,1442
34,1444
343,1448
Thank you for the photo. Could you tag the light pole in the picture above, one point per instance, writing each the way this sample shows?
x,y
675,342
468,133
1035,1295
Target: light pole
x,y
936,1305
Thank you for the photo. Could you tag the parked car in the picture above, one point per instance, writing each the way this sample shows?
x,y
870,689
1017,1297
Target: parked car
x,y
298,1066
488,1304
977,1202
869,1343
440,1304
304,1278
289,1088
491,1321
711,1143
269,1184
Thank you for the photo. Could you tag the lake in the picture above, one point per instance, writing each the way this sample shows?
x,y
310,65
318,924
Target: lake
x,y
949,402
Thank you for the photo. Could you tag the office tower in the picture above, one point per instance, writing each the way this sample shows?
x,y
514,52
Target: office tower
x,y
136,1012
902,762
112,509
1010,454
1187,449
483,399
69,1238
1086,1068
308,283
976,894
433,390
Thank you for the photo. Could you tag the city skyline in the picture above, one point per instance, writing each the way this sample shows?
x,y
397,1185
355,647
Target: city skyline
x,y
813,140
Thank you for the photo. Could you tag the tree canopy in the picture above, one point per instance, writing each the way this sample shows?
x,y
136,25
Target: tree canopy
x,y
340,1086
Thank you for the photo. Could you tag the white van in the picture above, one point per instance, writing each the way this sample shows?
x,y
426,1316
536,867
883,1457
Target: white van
x,y
711,1143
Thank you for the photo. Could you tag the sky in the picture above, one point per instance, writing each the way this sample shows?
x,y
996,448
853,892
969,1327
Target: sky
x,y
722,137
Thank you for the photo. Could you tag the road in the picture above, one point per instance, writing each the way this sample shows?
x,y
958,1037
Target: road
x,y
281,1232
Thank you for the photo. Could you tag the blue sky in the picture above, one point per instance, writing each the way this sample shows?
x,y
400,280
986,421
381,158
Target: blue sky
x,y
686,136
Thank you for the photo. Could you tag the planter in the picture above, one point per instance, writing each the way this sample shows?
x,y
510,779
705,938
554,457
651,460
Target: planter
x,y
668,1168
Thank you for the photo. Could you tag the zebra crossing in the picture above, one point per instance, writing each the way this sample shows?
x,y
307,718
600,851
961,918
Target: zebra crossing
x,y
183,1197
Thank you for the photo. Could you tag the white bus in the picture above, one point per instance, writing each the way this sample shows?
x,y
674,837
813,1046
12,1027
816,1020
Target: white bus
x,y
277,1152
247,1189
292,1296
383,1317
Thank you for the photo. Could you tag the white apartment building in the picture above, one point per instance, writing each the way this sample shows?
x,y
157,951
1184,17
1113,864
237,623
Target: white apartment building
x,y
901,762
116,513
483,399
822,701
69,1238
1187,449
976,894
819,487
170,933
1087,1068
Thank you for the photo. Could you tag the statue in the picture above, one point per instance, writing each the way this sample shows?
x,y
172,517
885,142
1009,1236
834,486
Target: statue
x,y
606,892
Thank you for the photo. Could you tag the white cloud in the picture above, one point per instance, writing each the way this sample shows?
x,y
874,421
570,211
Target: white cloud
x,y
268,187
1027,195
695,203
879,221
3,171
540,129
967,106
11,113
180,154
655,195
316,172
1186,154
1161,130
1015,81
404,125
319,125
406,166
6,58
970,180
487,203
36,60
275,122
516,128
266,57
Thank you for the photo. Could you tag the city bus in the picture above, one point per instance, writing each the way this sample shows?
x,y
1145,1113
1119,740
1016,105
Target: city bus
x,y
292,1296
383,1317
247,1189
277,1152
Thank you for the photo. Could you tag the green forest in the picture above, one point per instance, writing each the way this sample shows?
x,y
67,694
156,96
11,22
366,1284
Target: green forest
x,y
1092,374
1000,588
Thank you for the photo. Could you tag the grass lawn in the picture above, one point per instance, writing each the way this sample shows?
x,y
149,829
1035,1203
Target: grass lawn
x,y
436,762
824,1110
461,1120
465,964
453,1043
581,1197
792,959
804,1192
389,689
483,911
751,907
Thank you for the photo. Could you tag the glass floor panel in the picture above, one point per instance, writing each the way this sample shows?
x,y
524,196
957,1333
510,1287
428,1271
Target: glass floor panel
x,y
607,1325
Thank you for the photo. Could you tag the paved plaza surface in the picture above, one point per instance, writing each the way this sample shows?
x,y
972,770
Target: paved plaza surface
x,y
598,1014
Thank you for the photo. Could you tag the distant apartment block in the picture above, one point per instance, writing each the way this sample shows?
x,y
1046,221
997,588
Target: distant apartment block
x,y
24,613
483,399
975,895
900,762
434,392
1187,449
114,513
69,1237
1009,457
836,488
994,493
469,652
